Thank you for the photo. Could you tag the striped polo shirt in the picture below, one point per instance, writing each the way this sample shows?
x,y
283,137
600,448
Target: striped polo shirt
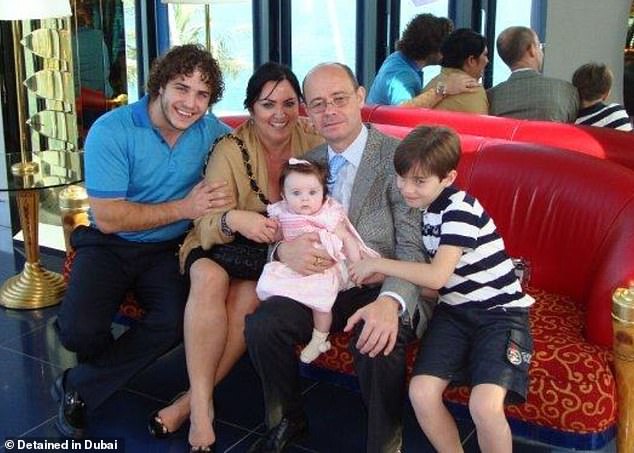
x,y
605,115
484,275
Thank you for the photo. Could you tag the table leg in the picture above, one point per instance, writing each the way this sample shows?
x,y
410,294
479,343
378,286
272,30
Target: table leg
x,y
34,287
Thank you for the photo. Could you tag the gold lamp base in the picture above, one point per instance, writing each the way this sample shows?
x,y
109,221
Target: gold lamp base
x,y
34,287
25,168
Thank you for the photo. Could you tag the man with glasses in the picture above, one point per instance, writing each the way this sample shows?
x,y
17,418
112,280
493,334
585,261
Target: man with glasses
x,y
378,315
527,94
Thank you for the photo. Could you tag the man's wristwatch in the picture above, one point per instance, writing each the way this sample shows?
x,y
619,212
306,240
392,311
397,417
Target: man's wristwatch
x,y
223,225
441,89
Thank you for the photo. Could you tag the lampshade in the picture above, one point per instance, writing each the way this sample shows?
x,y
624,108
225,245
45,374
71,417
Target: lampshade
x,y
34,9
200,2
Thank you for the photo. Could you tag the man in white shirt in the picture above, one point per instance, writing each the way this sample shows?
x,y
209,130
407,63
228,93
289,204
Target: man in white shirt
x,y
378,315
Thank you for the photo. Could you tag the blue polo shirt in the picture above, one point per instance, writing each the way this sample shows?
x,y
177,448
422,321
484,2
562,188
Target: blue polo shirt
x,y
398,80
126,157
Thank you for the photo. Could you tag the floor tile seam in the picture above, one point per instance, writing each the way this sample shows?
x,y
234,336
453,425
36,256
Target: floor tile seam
x,y
242,439
464,441
145,395
15,351
22,335
310,387
301,447
248,430
249,433
45,422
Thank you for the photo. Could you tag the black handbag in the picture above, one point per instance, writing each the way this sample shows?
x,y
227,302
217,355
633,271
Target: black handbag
x,y
242,258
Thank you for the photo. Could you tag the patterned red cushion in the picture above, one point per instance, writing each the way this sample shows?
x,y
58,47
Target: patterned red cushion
x,y
571,387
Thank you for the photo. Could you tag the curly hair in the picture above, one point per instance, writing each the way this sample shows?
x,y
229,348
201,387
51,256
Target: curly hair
x,y
184,60
423,36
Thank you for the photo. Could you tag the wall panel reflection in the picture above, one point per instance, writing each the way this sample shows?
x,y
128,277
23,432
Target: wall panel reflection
x,y
99,48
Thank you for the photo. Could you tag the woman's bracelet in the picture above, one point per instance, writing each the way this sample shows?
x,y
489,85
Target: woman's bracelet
x,y
223,225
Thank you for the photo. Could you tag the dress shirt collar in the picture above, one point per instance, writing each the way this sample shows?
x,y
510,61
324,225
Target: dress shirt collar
x,y
523,70
354,152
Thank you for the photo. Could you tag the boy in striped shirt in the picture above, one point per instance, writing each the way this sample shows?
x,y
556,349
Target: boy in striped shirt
x,y
594,82
479,333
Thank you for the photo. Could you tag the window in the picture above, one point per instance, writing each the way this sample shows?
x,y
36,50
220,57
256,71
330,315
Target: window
x,y
322,30
231,41
508,14
411,8
129,25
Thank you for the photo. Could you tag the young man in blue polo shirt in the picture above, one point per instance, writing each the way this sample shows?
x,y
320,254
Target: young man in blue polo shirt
x,y
143,176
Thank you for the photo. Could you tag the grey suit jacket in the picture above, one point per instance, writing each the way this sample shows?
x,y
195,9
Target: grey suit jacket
x,y
530,95
379,213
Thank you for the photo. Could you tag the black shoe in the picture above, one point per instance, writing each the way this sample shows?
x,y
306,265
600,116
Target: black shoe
x,y
285,433
155,425
71,415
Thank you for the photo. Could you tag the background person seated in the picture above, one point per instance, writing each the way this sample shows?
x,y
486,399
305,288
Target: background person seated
x,y
400,77
465,53
527,94
594,82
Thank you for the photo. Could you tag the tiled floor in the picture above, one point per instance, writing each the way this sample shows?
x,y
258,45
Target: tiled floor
x,y
31,357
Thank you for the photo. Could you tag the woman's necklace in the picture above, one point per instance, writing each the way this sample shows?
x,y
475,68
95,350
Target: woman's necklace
x,y
274,163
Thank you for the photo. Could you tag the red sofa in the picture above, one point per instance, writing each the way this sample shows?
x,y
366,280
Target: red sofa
x,y
576,229
571,216
603,143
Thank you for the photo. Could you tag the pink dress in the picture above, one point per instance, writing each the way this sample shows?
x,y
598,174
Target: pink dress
x,y
317,291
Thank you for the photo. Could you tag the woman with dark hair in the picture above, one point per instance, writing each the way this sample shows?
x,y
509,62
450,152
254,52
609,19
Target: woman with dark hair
x,y
464,52
225,251
400,78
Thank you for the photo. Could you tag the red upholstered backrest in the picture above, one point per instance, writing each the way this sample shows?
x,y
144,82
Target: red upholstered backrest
x,y
463,123
603,143
600,142
470,144
234,121
571,216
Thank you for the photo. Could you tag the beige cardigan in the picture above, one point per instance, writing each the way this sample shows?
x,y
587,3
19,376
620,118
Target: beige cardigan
x,y
226,164
475,102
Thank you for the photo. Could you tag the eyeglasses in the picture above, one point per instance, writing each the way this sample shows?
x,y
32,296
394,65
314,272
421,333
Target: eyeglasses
x,y
320,105
542,46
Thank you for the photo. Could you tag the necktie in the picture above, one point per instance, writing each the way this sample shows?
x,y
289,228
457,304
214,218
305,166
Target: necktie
x,y
334,166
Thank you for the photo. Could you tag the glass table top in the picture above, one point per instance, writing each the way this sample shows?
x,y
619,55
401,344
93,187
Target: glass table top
x,y
57,168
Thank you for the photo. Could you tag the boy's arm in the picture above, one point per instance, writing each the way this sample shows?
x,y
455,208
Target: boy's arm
x,y
434,275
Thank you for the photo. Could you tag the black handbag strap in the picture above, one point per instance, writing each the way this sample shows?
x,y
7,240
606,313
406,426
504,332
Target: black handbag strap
x,y
247,165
